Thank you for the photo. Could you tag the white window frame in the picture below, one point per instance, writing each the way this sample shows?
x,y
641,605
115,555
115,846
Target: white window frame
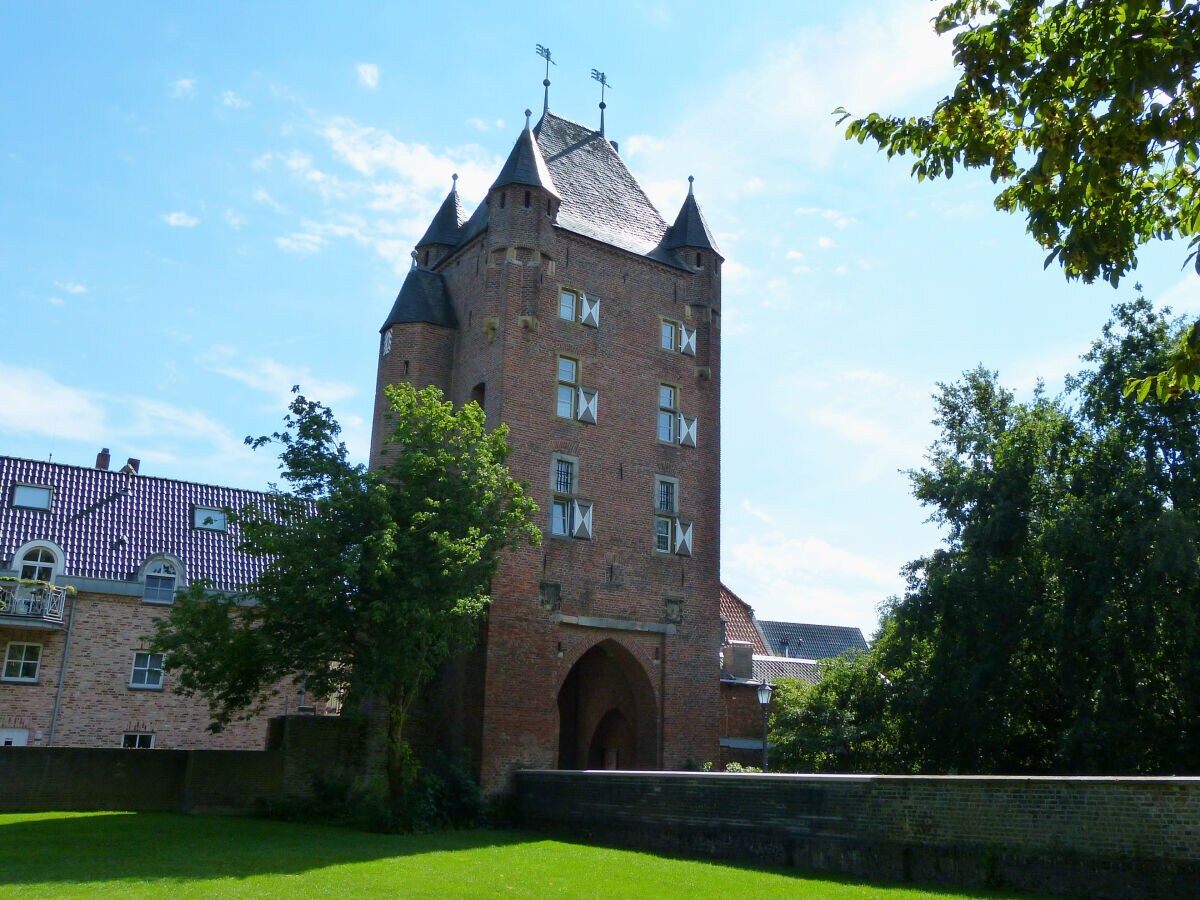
x,y
201,513
19,664
148,669
562,502
28,502
664,517
668,340
139,740
563,294
153,570
566,391
668,413
24,550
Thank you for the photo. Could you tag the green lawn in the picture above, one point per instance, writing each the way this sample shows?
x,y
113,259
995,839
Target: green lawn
x,y
165,855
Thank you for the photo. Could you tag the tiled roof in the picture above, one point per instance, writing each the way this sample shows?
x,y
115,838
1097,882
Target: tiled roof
x,y
526,166
447,223
108,523
739,621
773,668
811,641
423,298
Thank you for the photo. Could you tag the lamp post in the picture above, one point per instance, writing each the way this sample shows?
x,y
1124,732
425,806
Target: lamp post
x,y
764,700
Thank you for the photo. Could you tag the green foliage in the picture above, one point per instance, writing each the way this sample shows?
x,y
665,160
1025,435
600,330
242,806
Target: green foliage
x,y
373,577
1057,628
1087,112
736,768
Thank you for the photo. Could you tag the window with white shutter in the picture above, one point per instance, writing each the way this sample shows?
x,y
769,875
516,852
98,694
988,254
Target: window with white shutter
x,y
683,538
568,384
668,403
687,340
589,311
687,430
582,513
586,403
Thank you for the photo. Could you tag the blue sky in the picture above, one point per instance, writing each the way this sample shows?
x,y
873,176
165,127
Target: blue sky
x,y
204,204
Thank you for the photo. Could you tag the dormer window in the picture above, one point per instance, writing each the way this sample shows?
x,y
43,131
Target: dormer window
x,y
162,578
38,565
31,496
206,518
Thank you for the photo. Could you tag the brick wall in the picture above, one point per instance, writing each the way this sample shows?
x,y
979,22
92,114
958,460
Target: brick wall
x,y
505,289
1103,837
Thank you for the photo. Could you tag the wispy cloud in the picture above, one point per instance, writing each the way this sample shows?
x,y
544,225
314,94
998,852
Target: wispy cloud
x,y
1183,297
838,218
825,242
234,219
180,219
33,402
183,87
484,124
261,195
233,101
71,287
272,377
300,242
368,75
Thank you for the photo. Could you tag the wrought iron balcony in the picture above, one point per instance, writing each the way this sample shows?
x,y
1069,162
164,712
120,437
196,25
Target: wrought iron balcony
x,y
32,601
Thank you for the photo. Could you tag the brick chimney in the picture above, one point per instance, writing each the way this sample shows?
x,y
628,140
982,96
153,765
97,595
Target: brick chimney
x,y
737,659
131,467
102,459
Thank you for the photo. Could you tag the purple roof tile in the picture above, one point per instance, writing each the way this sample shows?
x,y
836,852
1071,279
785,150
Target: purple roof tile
x,y
108,523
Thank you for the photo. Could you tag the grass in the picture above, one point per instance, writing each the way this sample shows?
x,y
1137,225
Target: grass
x,y
166,855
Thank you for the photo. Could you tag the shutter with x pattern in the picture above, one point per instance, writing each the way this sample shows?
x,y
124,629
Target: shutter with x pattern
x,y
589,311
687,340
583,519
587,406
687,430
683,538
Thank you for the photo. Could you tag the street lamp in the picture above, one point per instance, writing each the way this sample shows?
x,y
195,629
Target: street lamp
x,y
764,700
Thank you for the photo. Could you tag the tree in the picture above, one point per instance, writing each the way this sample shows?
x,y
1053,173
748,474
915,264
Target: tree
x,y
1058,627
373,577
1086,111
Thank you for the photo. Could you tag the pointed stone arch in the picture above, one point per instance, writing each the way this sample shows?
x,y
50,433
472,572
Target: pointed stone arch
x,y
608,712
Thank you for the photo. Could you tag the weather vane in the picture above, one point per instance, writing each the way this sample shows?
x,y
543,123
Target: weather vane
x,y
599,76
544,53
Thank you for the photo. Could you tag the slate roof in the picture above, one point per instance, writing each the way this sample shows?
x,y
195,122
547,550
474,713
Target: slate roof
x,y
447,223
690,228
739,621
811,641
526,166
600,198
423,298
108,524
773,668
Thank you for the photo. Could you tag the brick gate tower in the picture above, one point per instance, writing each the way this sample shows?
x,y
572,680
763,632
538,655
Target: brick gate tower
x,y
571,311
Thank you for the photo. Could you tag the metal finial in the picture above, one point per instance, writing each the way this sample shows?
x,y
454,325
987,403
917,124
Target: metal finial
x,y
528,113
414,259
544,53
599,76
454,178
691,181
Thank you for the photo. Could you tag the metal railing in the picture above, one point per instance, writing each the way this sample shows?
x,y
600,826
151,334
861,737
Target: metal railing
x,y
34,601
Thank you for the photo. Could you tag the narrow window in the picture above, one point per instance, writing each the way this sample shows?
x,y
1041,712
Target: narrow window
x,y
21,662
568,382
561,508
427,258
387,344
668,335
666,510
478,393
406,367
568,305
503,195
147,670
668,405
549,209
527,200
698,263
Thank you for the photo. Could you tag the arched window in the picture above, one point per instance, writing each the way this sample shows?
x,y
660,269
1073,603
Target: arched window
x,y
38,564
162,578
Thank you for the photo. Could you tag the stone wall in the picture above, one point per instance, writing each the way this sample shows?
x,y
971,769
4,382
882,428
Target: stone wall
x,y
1102,837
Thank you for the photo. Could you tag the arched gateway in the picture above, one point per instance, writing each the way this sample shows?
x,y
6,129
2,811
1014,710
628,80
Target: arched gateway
x,y
607,712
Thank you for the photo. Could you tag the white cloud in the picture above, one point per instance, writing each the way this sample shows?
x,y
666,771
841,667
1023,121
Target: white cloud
x,y
837,217
183,87
55,301
825,242
260,195
795,254
368,75
233,101
180,219
300,242
71,287
1183,297
642,143
484,125
234,219
273,377
33,402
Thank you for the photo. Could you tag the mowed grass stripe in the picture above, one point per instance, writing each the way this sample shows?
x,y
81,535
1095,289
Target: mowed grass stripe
x,y
166,855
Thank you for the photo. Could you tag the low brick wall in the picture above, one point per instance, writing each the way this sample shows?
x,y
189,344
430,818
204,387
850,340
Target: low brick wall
x,y
208,781
1103,837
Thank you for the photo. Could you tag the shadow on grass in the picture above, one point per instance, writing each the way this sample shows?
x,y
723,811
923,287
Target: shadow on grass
x,y
73,847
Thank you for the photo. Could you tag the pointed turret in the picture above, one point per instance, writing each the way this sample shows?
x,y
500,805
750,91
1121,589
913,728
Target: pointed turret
x,y
690,231
445,231
423,298
525,166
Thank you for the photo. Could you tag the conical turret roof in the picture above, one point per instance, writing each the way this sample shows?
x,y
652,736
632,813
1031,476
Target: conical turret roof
x,y
423,298
525,166
690,229
444,229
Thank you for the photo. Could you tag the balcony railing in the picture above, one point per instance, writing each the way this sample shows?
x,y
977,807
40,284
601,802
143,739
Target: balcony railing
x,y
32,600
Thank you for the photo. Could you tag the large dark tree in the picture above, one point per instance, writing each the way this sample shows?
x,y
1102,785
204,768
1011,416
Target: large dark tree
x,y
1056,630
372,577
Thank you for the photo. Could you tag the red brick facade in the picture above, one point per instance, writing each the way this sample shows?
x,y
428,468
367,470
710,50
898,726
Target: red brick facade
x,y
579,628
